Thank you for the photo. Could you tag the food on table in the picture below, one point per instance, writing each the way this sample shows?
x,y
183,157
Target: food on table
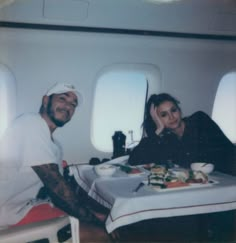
x,y
181,173
176,184
159,170
125,168
129,169
148,166
177,177
156,181
197,177
135,171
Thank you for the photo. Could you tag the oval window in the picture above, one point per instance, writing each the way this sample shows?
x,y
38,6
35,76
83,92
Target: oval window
x,y
7,97
119,103
224,109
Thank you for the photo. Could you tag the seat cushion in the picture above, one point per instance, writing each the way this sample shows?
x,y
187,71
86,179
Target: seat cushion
x,y
39,213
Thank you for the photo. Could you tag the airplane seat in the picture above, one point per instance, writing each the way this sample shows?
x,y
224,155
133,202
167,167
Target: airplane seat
x,y
47,229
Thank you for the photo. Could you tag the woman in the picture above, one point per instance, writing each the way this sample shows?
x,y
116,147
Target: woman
x,y
171,138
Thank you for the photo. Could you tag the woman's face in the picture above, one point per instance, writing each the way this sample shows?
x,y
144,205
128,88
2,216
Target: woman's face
x,y
170,115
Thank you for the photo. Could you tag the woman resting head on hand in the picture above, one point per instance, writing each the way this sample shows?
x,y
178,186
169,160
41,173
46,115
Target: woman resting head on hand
x,y
163,112
181,140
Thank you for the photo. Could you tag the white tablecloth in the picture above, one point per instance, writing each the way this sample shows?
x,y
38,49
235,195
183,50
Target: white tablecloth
x,y
127,207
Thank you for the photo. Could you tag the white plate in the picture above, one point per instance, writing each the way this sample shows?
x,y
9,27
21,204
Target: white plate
x,y
190,186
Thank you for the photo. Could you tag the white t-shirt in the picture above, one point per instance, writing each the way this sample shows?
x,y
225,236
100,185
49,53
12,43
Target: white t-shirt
x,y
26,143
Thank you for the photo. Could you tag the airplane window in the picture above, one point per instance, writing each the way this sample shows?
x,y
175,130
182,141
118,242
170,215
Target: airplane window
x,y
3,100
7,97
224,109
118,106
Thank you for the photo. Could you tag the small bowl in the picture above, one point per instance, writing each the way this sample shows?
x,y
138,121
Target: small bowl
x,y
206,168
105,170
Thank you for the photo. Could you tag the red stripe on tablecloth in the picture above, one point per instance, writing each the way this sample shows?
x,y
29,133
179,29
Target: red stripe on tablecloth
x,y
162,209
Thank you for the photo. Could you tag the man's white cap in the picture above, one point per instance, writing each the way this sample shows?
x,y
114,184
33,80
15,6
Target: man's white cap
x,y
60,88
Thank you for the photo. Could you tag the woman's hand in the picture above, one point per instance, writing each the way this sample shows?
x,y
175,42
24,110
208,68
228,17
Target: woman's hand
x,y
156,119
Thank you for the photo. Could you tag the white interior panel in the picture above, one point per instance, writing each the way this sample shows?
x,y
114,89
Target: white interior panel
x,y
190,70
185,16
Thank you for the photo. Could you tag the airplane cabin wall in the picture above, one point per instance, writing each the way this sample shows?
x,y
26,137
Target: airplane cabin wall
x,y
190,69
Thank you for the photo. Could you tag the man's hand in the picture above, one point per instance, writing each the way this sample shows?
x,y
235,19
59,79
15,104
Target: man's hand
x,y
156,119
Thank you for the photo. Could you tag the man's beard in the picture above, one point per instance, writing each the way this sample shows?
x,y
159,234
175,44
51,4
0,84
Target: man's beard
x,y
52,116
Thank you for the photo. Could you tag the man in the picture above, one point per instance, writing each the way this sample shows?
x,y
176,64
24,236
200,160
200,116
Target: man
x,y
30,158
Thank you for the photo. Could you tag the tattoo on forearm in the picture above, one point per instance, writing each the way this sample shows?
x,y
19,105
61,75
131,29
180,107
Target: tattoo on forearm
x,y
58,187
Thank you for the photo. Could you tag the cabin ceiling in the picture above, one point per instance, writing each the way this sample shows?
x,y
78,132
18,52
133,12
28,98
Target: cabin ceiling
x,y
181,16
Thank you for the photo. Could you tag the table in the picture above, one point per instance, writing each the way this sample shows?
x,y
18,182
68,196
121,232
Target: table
x,y
126,207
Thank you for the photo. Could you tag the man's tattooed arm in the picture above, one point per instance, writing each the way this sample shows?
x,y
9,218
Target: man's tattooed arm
x,y
59,190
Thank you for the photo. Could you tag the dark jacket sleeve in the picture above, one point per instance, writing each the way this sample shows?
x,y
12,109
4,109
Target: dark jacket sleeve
x,y
141,153
215,145
153,149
